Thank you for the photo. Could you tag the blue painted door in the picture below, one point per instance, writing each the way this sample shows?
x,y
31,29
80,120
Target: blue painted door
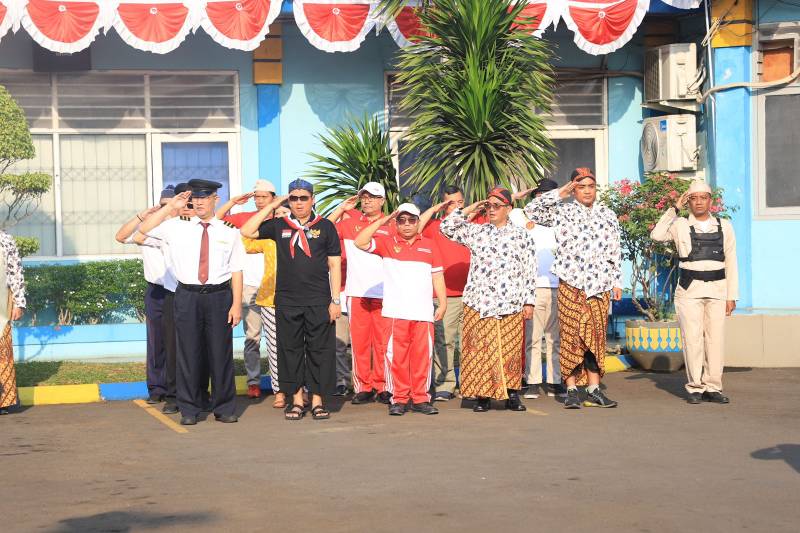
x,y
183,161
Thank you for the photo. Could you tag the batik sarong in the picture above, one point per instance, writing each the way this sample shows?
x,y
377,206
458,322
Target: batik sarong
x,y
583,322
490,355
8,377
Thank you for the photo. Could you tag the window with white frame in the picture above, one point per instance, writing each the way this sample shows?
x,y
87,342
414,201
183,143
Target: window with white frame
x,y
95,132
777,109
577,125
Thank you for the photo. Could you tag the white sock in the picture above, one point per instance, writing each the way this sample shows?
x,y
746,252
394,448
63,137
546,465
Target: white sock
x,y
591,388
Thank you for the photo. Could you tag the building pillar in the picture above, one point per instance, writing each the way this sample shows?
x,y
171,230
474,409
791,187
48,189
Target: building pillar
x,y
268,76
731,156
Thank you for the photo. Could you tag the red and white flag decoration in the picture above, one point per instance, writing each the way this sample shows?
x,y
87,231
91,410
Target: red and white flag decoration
x,y
239,24
65,26
602,26
155,26
405,27
335,25
543,12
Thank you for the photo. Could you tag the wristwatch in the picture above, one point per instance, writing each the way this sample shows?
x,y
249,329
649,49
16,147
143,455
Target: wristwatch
x,y
336,301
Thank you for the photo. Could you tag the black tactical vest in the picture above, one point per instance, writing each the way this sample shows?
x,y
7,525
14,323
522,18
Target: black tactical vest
x,y
706,246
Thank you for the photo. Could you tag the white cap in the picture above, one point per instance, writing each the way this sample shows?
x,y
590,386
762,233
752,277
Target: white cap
x,y
374,188
264,186
699,186
411,209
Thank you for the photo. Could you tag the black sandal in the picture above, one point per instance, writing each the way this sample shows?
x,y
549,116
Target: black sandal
x,y
320,413
294,412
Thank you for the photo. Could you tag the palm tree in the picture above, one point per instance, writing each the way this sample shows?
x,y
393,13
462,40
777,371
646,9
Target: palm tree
x,y
359,153
477,86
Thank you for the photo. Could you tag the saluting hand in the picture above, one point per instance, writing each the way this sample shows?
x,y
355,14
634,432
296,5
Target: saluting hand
x,y
350,203
566,191
519,195
680,203
179,201
234,315
442,205
242,198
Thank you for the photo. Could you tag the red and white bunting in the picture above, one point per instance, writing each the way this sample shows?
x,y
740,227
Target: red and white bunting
x,y
544,12
602,26
683,4
156,26
239,24
7,17
65,26
335,26
405,26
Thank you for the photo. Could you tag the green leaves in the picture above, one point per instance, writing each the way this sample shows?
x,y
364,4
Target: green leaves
x,y
476,88
15,139
358,154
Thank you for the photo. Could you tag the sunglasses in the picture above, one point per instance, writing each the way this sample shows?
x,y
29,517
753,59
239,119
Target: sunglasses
x,y
407,220
299,198
492,206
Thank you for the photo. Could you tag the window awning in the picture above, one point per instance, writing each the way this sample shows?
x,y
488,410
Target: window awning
x,y
159,26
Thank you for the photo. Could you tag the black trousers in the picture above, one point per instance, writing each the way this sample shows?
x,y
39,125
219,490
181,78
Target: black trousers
x,y
204,340
154,301
168,331
306,349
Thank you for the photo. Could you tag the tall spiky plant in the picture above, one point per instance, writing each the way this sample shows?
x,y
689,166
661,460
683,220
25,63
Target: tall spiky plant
x,y
357,154
477,85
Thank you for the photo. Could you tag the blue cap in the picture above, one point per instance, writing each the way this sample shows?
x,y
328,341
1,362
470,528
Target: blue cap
x,y
168,192
301,185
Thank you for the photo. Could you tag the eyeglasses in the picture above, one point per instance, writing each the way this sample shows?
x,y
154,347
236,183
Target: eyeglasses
x,y
299,198
407,220
491,206
203,198
368,197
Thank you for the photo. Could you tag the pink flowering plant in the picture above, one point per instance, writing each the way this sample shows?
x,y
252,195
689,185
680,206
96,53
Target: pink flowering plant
x,y
654,265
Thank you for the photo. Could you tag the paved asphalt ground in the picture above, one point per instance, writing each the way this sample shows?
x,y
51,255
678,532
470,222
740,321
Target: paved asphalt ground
x,y
653,464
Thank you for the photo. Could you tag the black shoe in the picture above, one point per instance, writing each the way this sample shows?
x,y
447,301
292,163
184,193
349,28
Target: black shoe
x,y
341,390
363,397
170,408
188,420
694,398
443,396
155,398
532,392
514,403
426,408
573,401
4,411
482,405
397,409
557,390
226,419
715,397
385,397
598,399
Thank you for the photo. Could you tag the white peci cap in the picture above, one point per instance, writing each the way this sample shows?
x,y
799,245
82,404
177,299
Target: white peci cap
x,y
374,188
264,186
411,209
699,186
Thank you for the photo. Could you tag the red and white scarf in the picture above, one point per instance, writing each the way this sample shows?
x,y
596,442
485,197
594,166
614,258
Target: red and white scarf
x,y
299,235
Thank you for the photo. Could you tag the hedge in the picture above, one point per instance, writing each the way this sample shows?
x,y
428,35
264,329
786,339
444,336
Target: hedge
x,y
98,292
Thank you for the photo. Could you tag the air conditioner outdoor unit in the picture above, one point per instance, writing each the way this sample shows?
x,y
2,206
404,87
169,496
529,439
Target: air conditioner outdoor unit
x,y
669,143
669,72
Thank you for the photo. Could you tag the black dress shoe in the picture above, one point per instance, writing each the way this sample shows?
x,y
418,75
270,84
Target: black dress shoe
x,y
341,390
155,398
397,409
482,405
426,408
694,398
385,397
188,420
170,408
514,403
715,397
4,411
226,419
363,397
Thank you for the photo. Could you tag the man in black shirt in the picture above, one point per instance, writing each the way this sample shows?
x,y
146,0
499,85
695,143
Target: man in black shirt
x,y
306,296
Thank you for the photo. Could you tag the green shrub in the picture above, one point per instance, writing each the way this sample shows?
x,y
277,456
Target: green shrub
x,y
106,292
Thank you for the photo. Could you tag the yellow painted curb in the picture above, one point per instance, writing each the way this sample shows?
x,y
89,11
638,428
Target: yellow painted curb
x,y
614,364
58,394
241,385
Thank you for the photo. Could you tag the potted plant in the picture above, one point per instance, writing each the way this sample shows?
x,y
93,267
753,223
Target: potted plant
x,y
655,340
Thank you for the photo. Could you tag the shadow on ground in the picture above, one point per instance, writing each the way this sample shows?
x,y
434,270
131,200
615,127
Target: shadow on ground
x,y
786,452
124,521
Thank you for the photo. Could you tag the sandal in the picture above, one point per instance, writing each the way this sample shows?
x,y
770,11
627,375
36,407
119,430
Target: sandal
x,y
320,413
279,402
294,412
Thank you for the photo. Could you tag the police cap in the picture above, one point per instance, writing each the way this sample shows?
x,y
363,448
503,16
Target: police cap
x,y
203,188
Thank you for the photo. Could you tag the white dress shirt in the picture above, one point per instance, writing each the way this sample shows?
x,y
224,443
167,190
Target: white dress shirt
x,y
156,262
225,249
546,245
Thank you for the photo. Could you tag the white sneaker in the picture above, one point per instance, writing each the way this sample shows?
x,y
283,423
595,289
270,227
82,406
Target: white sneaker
x,y
532,392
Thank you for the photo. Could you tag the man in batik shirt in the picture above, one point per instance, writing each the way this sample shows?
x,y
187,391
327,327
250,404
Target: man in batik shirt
x,y
588,263
498,296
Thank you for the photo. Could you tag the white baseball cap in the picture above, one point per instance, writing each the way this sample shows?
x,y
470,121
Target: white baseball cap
x,y
264,186
411,209
374,188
